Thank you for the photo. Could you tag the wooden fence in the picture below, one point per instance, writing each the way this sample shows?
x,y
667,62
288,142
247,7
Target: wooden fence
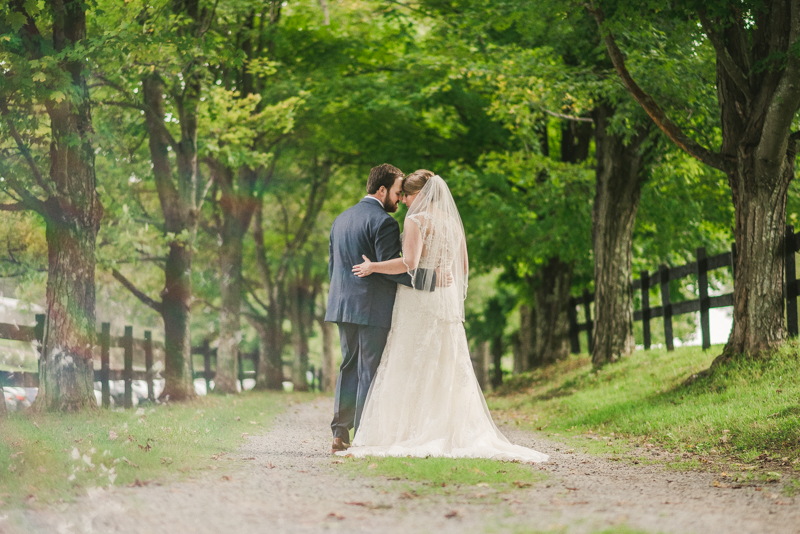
x,y
699,268
127,374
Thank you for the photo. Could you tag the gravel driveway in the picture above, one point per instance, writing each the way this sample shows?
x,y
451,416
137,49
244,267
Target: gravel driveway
x,y
286,481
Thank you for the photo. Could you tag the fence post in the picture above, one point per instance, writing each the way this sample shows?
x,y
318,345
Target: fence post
x,y
148,364
645,279
666,306
702,289
105,345
127,373
587,312
207,365
574,334
790,274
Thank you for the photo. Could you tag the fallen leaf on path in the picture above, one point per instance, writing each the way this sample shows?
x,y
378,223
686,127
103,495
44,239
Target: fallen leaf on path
x,y
129,462
337,462
227,478
408,495
251,458
521,484
452,514
166,460
334,515
571,489
270,465
718,484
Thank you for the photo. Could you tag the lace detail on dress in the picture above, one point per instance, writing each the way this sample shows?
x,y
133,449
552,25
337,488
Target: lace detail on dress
x,y
425,399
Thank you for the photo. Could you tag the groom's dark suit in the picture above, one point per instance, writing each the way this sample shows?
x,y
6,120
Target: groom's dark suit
x,y
362,307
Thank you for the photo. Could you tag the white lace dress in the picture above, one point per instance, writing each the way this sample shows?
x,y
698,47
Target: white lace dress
x,y
425,399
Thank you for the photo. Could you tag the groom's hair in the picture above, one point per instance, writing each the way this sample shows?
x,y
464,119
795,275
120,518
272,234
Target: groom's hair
x,y
382,175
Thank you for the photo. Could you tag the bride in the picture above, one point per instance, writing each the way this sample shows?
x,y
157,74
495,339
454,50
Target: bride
x,y
425,399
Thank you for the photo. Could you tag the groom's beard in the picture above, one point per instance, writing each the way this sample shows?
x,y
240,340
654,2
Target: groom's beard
x,y
389,207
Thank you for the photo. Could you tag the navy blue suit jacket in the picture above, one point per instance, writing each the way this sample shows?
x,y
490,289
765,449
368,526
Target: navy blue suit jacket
x,y
363,229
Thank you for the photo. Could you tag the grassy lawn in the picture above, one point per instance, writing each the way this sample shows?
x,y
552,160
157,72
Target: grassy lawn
x,y
45,458
418,477
748,412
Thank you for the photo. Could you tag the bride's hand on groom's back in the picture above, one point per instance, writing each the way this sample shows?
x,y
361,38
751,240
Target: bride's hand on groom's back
x,y
444,277
363,269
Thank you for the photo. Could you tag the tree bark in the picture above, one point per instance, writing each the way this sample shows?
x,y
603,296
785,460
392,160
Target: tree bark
x,y
72,218
497,361
480,362
758,134
179,197
176,313
525,336
299,338
329,368
618,188
551,326
271,341
238,204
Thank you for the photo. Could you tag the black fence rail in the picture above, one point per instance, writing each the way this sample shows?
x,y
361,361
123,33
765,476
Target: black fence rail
x,y
128,374
699,268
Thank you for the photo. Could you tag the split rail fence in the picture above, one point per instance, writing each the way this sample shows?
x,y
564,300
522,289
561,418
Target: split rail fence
x,y
699,268
127,374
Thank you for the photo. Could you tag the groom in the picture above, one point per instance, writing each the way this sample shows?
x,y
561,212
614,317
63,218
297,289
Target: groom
x,y
362,307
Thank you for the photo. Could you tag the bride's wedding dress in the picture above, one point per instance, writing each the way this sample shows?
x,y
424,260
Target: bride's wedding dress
x,y
425,399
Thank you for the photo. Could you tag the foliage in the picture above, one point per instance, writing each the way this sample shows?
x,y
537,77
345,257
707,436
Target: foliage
x,y
63,457
740,411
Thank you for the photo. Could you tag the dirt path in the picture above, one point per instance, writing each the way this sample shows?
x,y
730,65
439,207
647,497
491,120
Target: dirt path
x,y
285,481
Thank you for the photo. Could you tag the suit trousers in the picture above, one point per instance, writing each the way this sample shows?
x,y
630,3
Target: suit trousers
x,y
362,348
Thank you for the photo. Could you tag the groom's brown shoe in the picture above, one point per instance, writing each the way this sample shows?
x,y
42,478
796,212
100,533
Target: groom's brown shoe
x,y
339,445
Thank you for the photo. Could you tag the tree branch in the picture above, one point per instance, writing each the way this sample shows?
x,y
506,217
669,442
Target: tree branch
x,y
712,159
18,206
567,117
737,75
24,150
157,306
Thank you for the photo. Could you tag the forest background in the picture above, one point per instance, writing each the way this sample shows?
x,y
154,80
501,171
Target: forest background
x,y
176,165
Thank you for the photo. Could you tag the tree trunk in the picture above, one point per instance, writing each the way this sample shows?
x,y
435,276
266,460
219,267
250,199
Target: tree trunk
x,y
299,337
230,332
758,288
526,336
759,181
551,325
758,99
329,367
237,203
73,216
497,361
619,181
176,313
480,363
271,340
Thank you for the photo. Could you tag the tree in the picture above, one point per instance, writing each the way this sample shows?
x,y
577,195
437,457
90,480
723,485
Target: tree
x,y
45,52
619,177
758,83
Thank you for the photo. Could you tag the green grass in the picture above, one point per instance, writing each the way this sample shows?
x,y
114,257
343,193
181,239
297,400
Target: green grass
x,y
45,458
423,476
748,410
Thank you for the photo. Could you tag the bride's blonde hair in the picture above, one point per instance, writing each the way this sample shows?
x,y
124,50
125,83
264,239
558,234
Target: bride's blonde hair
x,y
414,182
